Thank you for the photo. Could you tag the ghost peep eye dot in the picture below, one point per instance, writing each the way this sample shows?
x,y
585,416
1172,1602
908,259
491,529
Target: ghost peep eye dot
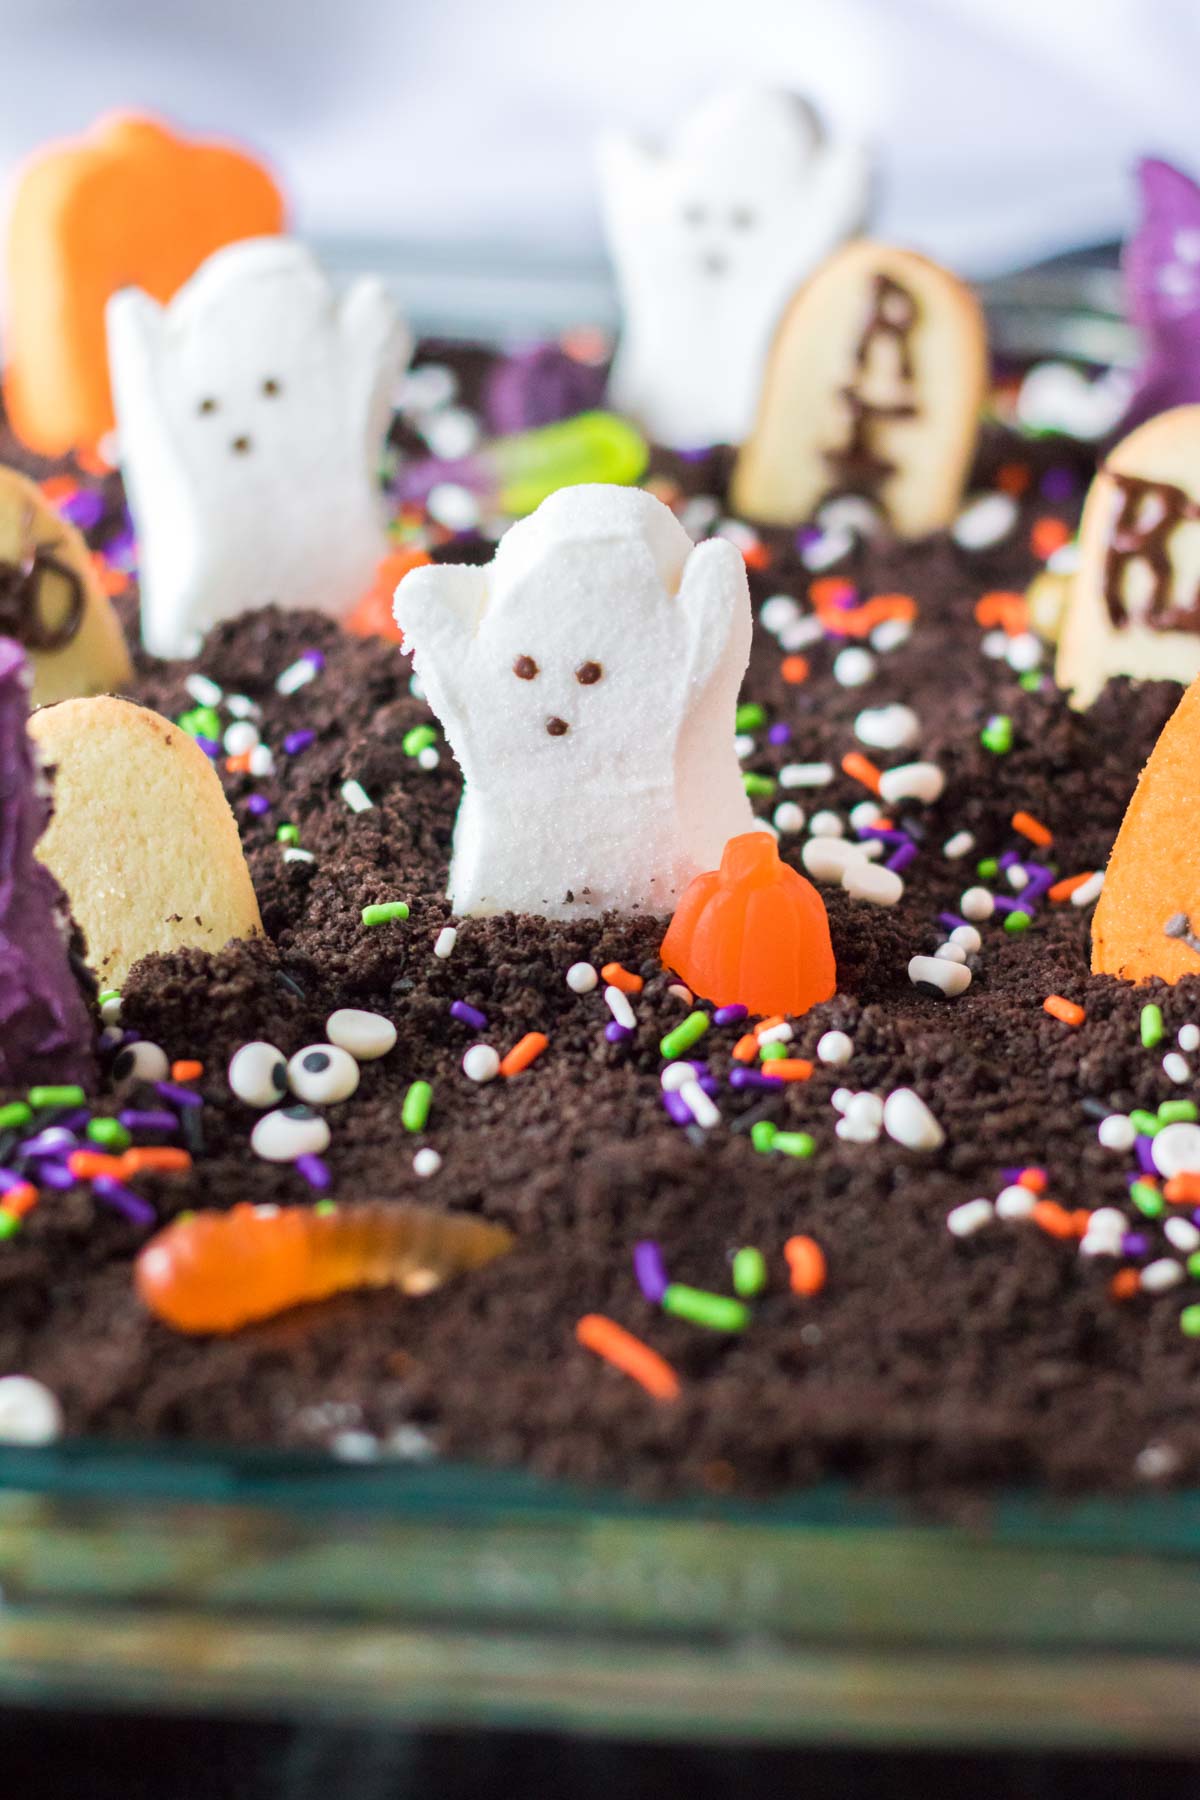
x,y
694,214
588,674
206,406
524,668
272,387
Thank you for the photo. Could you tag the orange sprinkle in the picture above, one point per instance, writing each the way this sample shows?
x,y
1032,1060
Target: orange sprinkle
x,y
746,1048
769,1023
1124,1284
1012,477
186,1071
112,580
1182,1189
1047,536
756,556
1054,1219
861,768
1033,829
91,461
788,1068
1066,1010
806,1265
85,1165
828,590
59,487
1062,890
619,977
1033,1179
238,765
20,1199
888,606
794,669
1000,607
162,1160
619,1347
525,1051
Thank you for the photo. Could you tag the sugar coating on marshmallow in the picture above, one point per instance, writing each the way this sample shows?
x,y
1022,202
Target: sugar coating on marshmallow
x,y
711,236
252,410
586,681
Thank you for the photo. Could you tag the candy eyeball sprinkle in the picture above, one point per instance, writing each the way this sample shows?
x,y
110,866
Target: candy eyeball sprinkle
x,y
322,1074
258,1074
142,1061
288,1133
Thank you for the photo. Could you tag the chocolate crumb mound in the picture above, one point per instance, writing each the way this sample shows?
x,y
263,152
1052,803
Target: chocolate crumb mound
x,y
929,1365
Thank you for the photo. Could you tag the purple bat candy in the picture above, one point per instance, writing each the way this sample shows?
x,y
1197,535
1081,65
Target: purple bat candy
x,y
539,385
1161,267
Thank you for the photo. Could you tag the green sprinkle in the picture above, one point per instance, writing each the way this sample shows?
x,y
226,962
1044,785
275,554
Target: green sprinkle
x,y
1143,1122
763,1134
794,1143
749,717
1189,1321
773,1053
183,1217
1151,1025
1017,922
288,834
108,994
1031,681
685,1034
415,1111
988,869
758,784
997,734
715,1311
71,1095
1193,1265
15,1114
1147,1199
1178,1112
201,721
383,915
323,1208
749,1272
418,739
10,1225
110,1133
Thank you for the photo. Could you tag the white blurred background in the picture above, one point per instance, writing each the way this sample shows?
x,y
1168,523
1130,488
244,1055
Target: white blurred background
x,y
1005,128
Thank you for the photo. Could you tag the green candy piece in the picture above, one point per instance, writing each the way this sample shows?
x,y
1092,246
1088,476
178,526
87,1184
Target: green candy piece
x,y
1016,922
716,1312
418,739
383,915
1031,681
763,1134
1148,1200
69,1095
1151,1026
414,1114
288,834
592,446
201,721
773,1053
1189,1321
758,784
14,1115
1193,1265
10,1225
685,1034
749,716
997,734
324,1207
109,1133
1144,1123
988,869
795,1143
749,1272
1178,1112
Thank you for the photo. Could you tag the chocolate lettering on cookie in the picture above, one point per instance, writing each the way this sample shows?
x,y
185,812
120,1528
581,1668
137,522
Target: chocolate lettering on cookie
x,y
1149,514
858,466
21,597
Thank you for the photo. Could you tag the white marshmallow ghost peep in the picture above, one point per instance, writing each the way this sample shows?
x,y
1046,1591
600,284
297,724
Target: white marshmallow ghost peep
x,y
251,412
587,681
710,238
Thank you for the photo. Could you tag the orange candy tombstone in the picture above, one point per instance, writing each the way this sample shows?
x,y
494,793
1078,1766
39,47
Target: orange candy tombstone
x,y
1153,877
128,205
753,932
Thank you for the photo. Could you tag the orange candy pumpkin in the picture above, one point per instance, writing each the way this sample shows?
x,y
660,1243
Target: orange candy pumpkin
x,y
753,932
128,205
373,616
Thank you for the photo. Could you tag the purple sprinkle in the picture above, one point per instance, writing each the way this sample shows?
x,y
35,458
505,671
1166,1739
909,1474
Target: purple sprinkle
x,y
178,1096
807,536
84,508
1009,906
8,1179
677,1107
1196,1215
901,858
1011,1177
54,1142
315,657
1144,1148
258,804
314,1171
779,733
55,1175
709,1085
694,453
1039,884
884,834
1134,1243
1058,484
124,1200
619,1034
75,1121
731,1015
1008,860
210,747
133,1120
296,741
952,921
649,1268
469,1015
751,1078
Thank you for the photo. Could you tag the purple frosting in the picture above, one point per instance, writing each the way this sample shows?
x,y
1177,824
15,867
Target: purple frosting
x,y
538,386
1162,290
46,1031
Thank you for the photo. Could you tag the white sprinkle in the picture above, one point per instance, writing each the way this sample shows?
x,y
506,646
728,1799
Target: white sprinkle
x,y
425,389
967,938
995,645
261,761
976,903
826,825
864,814
830,547
1181,1234
1176,1068
677,991
356,796
1189,1037
984,520
777,612
1016,877
110,1012
907,1119
452,505
739,533
950,979
1100,1243
841,1098
415,688
1015,1202
970,1217
835,1048
805,775
445,941
29,1412
804,632
296,676
887,727
1108,1219
777,1034
849,512
743,745
867,881
889,634
618,1005
1159,1276
428,758
426,1162
827,859
959,845
481,1063
1155,1462
1175,1150
1024,652
912,781
1089,890
862,1119
451,433
702,1108
788,816
292,853
354,1446
853,667
1117,1132
203,691
240,737
365,1035
951,952
675,1075
243,707
581,978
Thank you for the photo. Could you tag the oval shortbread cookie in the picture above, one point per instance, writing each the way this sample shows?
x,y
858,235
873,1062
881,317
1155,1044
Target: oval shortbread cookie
x,y
142,837
874,386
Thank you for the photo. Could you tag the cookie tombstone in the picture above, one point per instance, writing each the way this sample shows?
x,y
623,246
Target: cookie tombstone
x,y
1134,607
51,600
874,387
142,837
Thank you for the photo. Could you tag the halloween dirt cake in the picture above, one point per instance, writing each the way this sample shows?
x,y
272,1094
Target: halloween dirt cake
x,y
720,1095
